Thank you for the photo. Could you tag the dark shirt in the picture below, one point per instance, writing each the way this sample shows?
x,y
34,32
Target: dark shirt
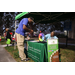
x,y
8,36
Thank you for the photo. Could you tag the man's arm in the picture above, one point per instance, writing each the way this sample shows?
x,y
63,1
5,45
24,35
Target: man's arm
x,y
28,30
25,28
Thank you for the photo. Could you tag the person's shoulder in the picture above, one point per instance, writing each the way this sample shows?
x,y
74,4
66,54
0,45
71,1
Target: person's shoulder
x,y
25,19
55,37
47,35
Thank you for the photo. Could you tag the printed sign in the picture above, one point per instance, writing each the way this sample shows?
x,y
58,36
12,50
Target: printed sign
x,y
53,41
53,54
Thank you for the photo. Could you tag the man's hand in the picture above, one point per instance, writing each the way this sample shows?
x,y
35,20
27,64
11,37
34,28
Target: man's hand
x,y
28,30
31,32
25,28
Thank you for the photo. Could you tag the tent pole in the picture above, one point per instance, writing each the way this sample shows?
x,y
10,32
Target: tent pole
x,y
15,36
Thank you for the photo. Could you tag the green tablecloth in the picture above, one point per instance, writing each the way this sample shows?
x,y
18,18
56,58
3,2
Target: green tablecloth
x,y
37,51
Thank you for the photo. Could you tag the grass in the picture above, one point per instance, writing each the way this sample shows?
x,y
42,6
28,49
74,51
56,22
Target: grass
x,y
67,54
15,54
3,41
2,37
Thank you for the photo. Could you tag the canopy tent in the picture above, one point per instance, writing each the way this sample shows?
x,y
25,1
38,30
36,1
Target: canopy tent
x,y
20,15
46,17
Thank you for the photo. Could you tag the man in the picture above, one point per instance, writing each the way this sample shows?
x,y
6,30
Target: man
x,y
20,33
49,36
8,35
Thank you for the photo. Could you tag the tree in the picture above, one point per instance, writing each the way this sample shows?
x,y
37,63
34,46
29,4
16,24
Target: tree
x,y
49,27
1,22
7,20
57,26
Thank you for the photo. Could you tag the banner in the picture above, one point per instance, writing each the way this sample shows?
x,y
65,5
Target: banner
x,y
53,53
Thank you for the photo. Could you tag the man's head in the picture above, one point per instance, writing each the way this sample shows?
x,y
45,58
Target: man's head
x,y
7,29
31,20
52,34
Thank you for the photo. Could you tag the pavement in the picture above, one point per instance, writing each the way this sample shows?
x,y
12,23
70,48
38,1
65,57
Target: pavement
x,y
59,43
6,45
5,56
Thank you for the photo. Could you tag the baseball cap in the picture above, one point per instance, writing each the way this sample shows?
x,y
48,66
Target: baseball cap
x,y
32,19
